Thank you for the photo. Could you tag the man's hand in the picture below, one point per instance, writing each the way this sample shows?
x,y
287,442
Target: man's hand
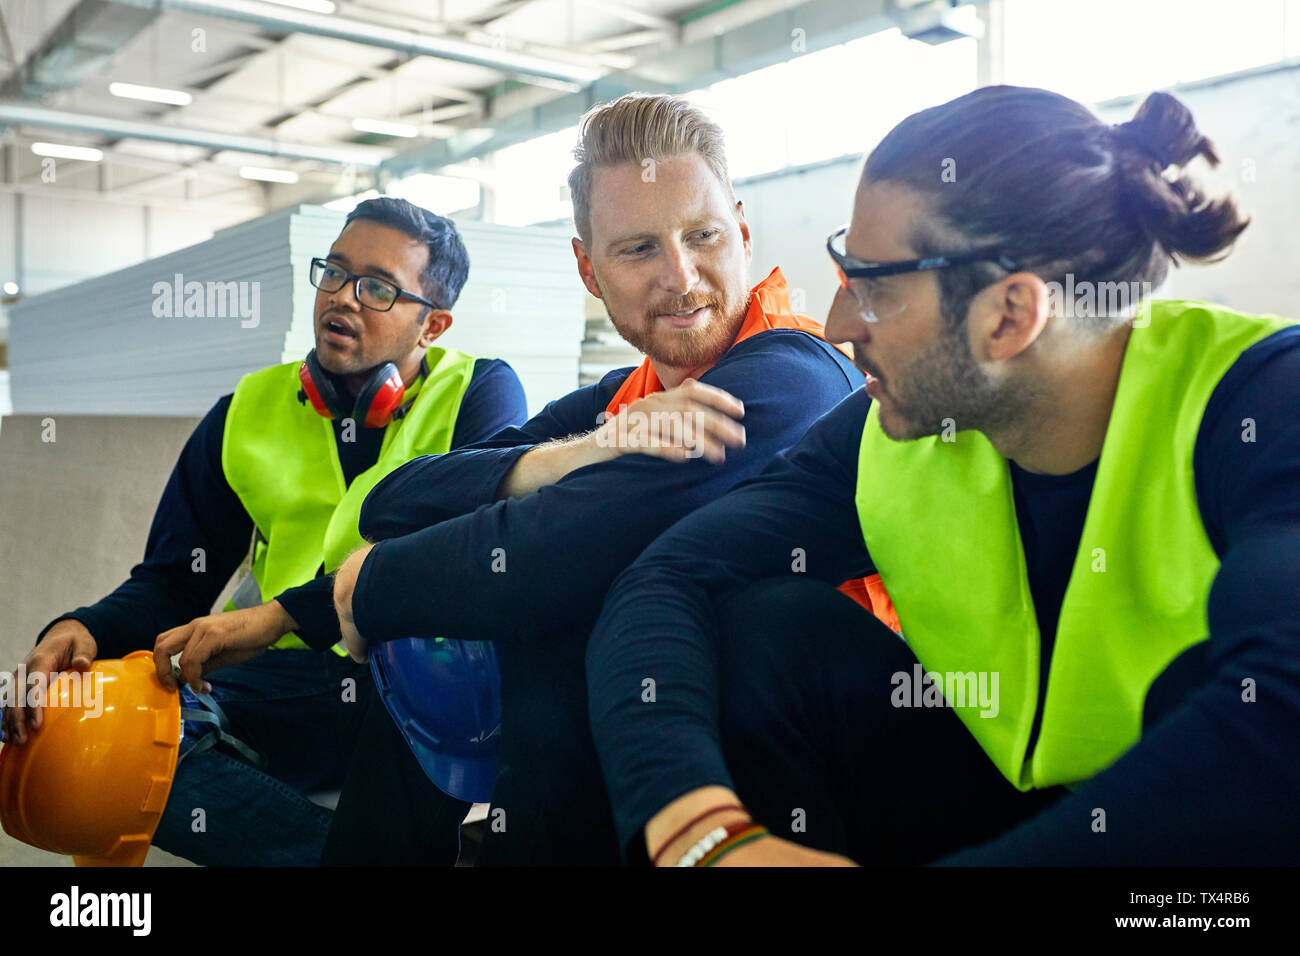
x,y
774,851
693,420
67,646
765,851
345,582
218,640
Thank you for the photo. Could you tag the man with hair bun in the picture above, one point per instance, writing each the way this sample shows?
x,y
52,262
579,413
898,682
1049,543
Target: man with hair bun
x,y
1083,506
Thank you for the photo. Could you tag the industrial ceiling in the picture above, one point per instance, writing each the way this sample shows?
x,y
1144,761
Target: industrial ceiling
x,y
311,88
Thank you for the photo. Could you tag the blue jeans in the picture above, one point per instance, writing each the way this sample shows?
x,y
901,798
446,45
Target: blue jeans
x,y
295,708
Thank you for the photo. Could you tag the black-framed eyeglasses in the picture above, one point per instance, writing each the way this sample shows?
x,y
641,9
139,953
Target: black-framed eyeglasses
x,y
371,291
876,303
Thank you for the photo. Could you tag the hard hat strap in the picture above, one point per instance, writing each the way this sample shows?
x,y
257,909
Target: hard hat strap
x,y
220,732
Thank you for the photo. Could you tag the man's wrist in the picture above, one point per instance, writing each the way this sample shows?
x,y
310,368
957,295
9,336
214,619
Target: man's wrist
x,y
64,623
283,622
601,443
667,841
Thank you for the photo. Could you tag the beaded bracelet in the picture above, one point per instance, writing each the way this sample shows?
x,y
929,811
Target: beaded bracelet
x,y
729,836
654,861
734,841
706,843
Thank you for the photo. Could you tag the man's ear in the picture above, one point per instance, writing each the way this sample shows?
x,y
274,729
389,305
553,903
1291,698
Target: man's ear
x,y
585,269
435,323
744,230
1007,318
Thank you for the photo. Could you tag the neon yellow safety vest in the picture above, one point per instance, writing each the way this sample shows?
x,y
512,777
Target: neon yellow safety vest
x,y
939,522
280,457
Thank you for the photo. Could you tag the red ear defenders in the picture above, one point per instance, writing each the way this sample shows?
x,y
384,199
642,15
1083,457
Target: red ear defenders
x,y
377,402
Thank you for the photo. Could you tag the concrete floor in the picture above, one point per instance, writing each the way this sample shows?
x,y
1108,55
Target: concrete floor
x,y
13,853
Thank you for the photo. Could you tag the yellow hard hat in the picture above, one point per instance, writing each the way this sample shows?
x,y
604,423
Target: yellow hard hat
x,y
93,780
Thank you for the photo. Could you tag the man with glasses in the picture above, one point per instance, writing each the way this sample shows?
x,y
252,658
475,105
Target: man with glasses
x,y
286,462
1085,514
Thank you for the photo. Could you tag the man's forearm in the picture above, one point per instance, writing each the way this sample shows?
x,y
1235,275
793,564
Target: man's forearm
x,y
345,583
547,463
311,607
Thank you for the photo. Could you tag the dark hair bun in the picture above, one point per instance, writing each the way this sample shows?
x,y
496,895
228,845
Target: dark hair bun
x,y
1164,129
1172,210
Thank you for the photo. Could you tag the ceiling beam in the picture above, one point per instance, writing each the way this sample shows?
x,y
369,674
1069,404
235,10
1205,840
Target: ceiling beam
x,y
7,41
526,66
46,192
755,34
632,15
217,71
196,169
624,41
40,116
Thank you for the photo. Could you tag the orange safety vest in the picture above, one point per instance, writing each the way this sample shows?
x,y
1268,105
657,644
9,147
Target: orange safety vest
x,y
769,308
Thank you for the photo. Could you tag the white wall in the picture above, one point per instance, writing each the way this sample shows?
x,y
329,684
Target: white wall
x,y
8,241
1254,120
790,215
47,242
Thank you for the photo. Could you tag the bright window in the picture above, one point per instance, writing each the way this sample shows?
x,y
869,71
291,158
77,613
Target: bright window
x,y
1106,48
844,99
816,106
531,179
441,194
834,102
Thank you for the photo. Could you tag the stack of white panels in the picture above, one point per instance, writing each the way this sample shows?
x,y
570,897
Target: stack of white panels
x,y
170,335
523,303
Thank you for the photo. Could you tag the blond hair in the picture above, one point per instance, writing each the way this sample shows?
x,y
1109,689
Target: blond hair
x,y
635,128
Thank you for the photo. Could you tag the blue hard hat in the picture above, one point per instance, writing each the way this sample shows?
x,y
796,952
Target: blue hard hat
x,y
445,697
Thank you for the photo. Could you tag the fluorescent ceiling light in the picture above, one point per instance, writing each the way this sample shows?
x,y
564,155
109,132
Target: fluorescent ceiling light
x,y
315,6
385,127
59,151
268,175
154,94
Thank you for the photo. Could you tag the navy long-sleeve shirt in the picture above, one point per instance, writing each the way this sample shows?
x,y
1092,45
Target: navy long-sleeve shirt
x,y
453,562
531,572
1212,780
199,509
